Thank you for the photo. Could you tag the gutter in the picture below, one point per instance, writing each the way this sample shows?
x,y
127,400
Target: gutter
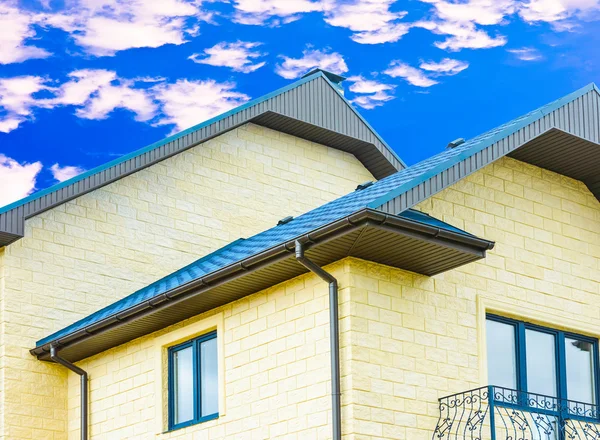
x,y
84,388
321,235
334,337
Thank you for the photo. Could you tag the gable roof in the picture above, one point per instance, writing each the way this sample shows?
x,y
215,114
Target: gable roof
x,y
576,114
312,108
384,204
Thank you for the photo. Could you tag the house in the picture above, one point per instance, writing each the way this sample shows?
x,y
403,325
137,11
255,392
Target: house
x,y
279,273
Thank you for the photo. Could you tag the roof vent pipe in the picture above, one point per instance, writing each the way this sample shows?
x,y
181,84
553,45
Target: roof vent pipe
x,y
456,142
363,186
285,220
334,337
84,388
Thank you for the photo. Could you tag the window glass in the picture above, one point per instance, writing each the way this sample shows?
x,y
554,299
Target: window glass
x,y
208,377
580,370
541,362
501,354
183,385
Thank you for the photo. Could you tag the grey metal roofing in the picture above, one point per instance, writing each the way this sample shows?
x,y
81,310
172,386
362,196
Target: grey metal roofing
x,y
312,108
580,118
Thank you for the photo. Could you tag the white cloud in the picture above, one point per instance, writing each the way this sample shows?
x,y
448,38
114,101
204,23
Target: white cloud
x,y
386,34
104,27
292,68
9,123
62,173
186,103
482,12
98,92
425,75
558,12
238,56
447,66
362,85
369,102
17,180
526,54
370,93
276,12
461,35
16,28
17,100
461,21
412,75
372,21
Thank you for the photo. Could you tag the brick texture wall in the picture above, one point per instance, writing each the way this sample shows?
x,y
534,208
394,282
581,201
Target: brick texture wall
x,y
415,339
277,371
87,253
406,339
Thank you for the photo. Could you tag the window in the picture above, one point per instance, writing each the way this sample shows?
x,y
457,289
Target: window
x,y
193,382
534,359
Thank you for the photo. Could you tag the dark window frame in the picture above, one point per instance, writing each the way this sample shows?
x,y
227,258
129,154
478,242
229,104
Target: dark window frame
x,y
197,377
559,353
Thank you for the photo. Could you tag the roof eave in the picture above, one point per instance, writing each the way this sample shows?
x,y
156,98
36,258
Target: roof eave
x,y
474,246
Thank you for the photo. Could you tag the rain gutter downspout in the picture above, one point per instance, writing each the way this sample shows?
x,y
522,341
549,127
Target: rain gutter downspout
x,y
334,337
84,388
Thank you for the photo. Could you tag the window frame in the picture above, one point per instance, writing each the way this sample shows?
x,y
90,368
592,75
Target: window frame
x,y
559,353
195,343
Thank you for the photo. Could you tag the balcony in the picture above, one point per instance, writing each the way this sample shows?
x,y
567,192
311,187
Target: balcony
x,y
497,413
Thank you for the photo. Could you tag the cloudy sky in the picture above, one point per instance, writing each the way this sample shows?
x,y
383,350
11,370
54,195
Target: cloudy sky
x,y
85,81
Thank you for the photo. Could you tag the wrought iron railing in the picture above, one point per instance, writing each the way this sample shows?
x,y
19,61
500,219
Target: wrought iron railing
x,y
496,413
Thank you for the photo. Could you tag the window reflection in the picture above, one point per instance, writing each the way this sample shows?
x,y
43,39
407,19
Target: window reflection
x,y
541,362
501,352
208,378
580,370
183,385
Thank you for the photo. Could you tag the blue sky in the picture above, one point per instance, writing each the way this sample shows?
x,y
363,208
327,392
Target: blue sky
x,y
85,81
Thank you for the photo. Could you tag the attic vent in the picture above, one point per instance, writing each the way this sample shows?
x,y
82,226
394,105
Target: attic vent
x,y
285,220
363,186
455,143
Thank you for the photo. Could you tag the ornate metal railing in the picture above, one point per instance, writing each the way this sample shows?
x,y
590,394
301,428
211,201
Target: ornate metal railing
x,y
496,413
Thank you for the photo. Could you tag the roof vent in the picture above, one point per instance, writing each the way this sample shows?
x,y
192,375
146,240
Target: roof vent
x,y
455,143
363,186
285,220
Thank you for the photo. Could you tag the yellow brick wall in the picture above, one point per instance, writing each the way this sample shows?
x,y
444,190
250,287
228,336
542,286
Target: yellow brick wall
x,y
87,253
406,339
415,339
276,369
